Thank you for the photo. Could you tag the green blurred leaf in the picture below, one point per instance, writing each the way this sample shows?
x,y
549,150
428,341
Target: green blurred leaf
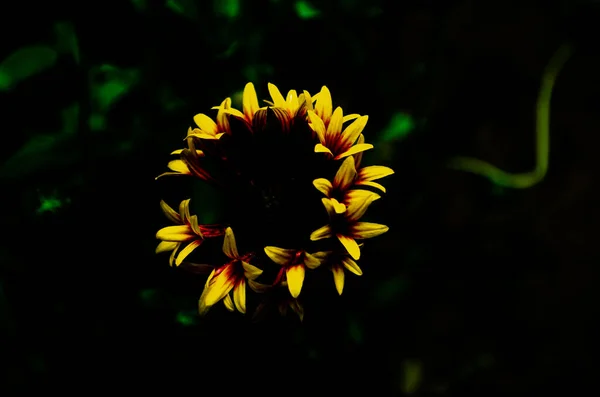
x,y
412,373
140,5
185,8
400,125
305,10
24,63
108,84
149,295
187,318
66,39
51,203
390,290
227,8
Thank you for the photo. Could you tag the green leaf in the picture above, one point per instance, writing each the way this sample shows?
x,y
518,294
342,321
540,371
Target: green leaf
x,y
24,63
400,125
187,318
305,10
108,84
185,8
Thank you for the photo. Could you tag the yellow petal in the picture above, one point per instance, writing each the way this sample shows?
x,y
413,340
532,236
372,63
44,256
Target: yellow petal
x,y
281,256
292,100
178,166
358,156
374,172
358,202
206,124
372,184
335,124
184,210
311,261
166,246
349,117
351,266
338,278
308,100
350,244
169,212
321,233
228,303
249,101
186,251
278,99
234,112
177,233
295,279
329,207
239,296
199,153
362,230
319,148
323,107
345,176
172,256
193,222
250,271
352,132
353,150
229,246
316,123
323,185
338,208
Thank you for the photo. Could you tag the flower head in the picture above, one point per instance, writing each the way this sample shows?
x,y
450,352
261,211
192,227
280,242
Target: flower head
x,y
277,165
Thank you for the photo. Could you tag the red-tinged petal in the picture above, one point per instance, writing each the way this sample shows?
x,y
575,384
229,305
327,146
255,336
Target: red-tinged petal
x,y
351,266
358,201
353,131
335,126
178,166
179,233
194,165
206,124
229,303
251,272
218,286
193,222
338,278
312,261
249,101
321,233
323,185
186,251
166,246
372,184
239,296
281,256
345,176
350,244
295,279
229,246
319,148
317,125
363,230
278,99
353,150
184,210
374,172
170,213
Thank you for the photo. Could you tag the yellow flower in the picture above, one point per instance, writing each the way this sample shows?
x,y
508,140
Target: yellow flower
x,y
328,127
294,264
338,193
187,164
346,227
187,232
229,277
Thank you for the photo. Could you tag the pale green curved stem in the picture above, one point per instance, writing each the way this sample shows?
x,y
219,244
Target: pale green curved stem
x,y
542,133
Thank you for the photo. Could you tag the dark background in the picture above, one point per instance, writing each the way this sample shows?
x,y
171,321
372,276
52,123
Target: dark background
x,y
475,289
